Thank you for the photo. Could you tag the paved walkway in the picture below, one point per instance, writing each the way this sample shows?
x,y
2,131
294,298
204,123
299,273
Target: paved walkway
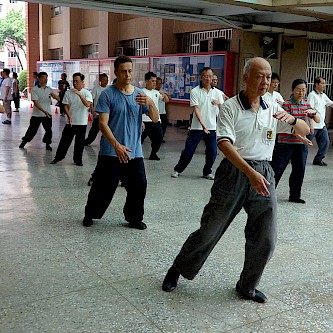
x,y
57,276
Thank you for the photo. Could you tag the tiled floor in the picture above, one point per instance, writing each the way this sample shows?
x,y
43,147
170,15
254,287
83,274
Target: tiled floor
x,y
57,276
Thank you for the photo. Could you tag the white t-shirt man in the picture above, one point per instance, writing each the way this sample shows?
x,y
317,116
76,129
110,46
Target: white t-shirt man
x,y
42,96
77,110
156,97
319,101
7,82
200,97
96,92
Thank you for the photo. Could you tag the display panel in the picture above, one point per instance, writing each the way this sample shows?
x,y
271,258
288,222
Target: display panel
x,y
180,74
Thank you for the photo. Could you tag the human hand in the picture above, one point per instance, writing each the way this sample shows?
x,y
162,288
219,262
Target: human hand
x,y
284,116
122,152
215,102
142,99
259,184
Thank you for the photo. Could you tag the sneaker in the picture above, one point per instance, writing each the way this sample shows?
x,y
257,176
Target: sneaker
x,y
154,157
209,176
7,122
174,174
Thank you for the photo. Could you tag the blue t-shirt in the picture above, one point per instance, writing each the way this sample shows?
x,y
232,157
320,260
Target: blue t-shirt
x,y
125,120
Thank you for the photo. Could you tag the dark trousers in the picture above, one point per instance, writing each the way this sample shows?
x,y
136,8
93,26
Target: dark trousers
x,y
192,141
155,134
107,174
79,131
164,122
323,142
297,155
93,131
33,128
230,193
16,100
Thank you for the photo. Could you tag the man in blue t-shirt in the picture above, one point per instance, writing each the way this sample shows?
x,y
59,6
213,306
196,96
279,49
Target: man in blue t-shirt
x,y
120,109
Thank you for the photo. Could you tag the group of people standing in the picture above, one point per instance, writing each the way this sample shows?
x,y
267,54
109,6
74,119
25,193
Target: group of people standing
x,y
255,134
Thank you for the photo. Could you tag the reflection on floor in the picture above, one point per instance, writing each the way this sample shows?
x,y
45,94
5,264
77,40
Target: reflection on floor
x,y
57,276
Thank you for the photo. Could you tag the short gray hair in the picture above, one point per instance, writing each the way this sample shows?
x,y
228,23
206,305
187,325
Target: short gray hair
x,y
247,66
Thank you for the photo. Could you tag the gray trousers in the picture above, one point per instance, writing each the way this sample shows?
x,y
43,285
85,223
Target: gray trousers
x,y
232,191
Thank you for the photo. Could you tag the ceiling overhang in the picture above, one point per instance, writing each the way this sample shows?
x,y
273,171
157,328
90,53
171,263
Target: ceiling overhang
x,y
232,13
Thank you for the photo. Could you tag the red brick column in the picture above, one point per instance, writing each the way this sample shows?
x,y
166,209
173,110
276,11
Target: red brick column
x,y
32,37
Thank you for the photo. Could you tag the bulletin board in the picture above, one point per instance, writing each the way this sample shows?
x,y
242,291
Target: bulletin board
x,y
180,73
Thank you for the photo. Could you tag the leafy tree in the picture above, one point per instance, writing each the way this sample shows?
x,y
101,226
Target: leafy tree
x,y
12,32
22,77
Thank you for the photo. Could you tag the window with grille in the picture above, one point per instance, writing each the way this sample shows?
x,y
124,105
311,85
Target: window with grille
x,y
134,47
57,54
90,51
320,63
206,41
12,54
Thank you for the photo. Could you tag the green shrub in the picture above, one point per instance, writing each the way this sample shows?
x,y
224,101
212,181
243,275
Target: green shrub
x,y
22,77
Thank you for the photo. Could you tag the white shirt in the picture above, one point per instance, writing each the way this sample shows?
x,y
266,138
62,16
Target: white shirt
x,y
42,96
156,97
77,109
274,97
96,92
200,97
251,133
319,102
161,104
7,82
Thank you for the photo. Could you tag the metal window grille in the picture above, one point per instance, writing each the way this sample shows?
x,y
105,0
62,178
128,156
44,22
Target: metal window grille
x,y
320,63
57,54
191,41
90,51
141,46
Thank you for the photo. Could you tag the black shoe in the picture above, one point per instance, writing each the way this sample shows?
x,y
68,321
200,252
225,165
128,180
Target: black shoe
x,y
154,157
55,161
163,141
297,200
86,143
7,122
320,163
140,226
259,297
48,147
87,222
23,143
171,279
90,181
78,163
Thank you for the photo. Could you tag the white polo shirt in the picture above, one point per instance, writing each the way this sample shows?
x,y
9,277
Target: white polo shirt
x,y
77,109
251,133
200,97
42,96
156,97
319,102
272,98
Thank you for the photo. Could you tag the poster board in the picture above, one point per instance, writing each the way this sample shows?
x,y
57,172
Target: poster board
x,y
180,73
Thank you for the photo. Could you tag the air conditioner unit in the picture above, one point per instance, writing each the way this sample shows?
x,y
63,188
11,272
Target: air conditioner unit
x,y
214,44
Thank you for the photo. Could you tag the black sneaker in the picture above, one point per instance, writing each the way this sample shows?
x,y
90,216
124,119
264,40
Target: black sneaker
x,y
139,226
296,200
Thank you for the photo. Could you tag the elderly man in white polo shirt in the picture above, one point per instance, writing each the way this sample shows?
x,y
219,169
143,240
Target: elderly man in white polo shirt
x,y
77,102
246,131
319,101
206,101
